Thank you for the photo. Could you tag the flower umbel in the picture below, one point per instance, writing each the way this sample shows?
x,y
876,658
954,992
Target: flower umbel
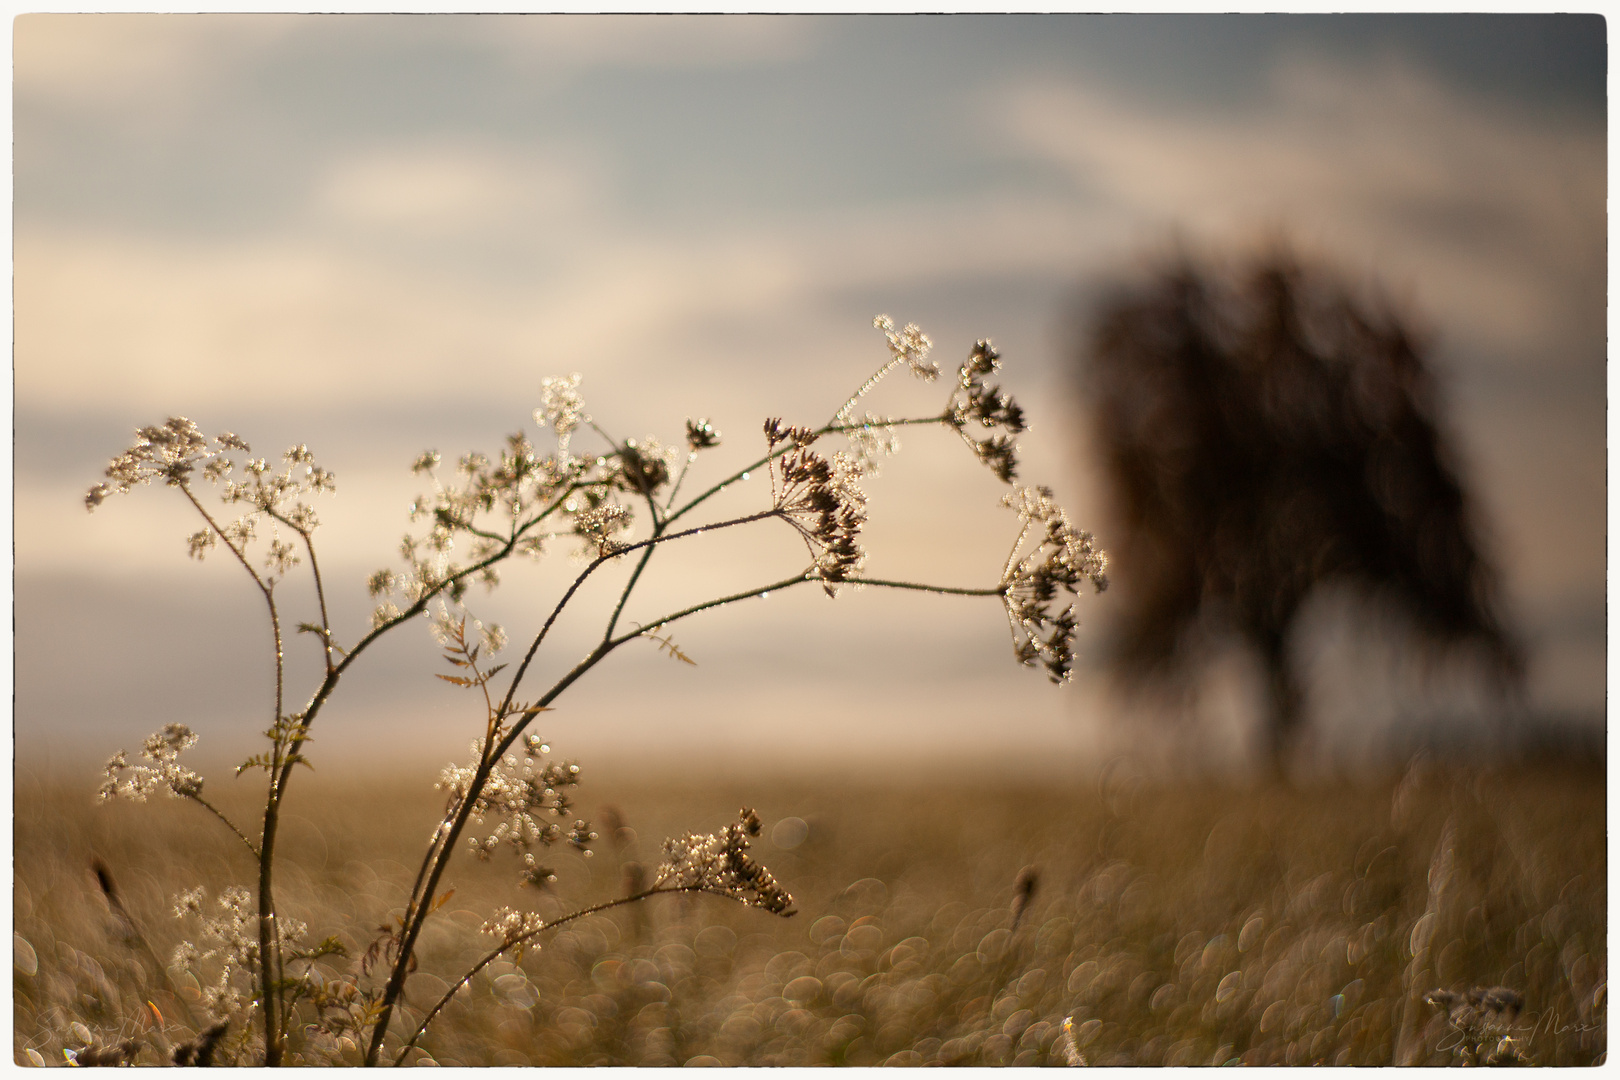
x,y
821,499
1061,558
719,863
166,774
527,794
974,403
910,345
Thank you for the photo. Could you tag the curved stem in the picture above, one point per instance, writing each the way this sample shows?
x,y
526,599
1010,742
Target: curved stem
x,y
528,657
829,429
440,855
785,583
320,596
269,940
624,596
866,388
421,1028
211,808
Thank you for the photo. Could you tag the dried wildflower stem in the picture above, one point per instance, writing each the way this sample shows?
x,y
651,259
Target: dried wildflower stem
x,y
785,583
320,590
495,954
947,590
440,853
212,809
269,940
866,388
828,429
815,494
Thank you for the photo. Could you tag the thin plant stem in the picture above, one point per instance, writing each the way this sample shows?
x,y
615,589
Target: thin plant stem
x,y
945,590
552,924
269,939
211,808
829,429
440,856
866,388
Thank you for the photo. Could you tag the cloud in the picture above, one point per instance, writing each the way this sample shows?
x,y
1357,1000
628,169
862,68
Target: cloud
x,y
444,190
102,61
111,61
639,41
1493,220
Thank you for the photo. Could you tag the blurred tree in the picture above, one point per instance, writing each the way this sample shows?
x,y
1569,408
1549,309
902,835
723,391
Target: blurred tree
x,y
1266,434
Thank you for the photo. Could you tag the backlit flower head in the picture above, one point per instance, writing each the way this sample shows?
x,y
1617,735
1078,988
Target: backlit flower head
x,y
910,345
719,863
1059,558
165,774
822,500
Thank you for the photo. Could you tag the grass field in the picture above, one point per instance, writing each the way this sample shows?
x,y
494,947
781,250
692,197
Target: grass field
x,y
1176,922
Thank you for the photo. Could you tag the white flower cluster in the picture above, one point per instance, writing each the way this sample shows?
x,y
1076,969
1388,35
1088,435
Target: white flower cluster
x,y
562,409
166,774
509,924
173,452
232,936
719,863
910,345
523,793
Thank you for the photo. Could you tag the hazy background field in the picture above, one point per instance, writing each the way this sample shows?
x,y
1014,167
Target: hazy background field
x,y
1192,923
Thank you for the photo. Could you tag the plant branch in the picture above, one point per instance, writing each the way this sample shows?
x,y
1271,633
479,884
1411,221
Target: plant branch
x,y
211,808
595,909
828,429
947,590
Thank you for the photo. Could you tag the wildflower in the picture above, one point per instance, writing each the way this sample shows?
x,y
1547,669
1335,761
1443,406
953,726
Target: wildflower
x,y
139,782
701,435
281,557
820,499
597,526
645,465
974,403
719,863
170,452
872,438
493,637
561,408
200,543
520,794
508,924
1062,557
232,936
383,614
910,345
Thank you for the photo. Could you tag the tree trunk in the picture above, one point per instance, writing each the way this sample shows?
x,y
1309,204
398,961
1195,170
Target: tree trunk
x,y
1284,715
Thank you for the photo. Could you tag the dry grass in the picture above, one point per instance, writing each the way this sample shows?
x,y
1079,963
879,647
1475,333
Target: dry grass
x,y
1176,923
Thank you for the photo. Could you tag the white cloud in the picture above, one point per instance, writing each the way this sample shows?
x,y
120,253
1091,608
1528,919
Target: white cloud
x,y
1492,220
449,190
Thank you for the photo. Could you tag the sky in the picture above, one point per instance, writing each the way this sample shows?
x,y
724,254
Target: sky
x,y
376,234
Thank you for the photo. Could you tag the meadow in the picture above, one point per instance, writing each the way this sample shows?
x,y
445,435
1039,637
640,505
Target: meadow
x,y
958,917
